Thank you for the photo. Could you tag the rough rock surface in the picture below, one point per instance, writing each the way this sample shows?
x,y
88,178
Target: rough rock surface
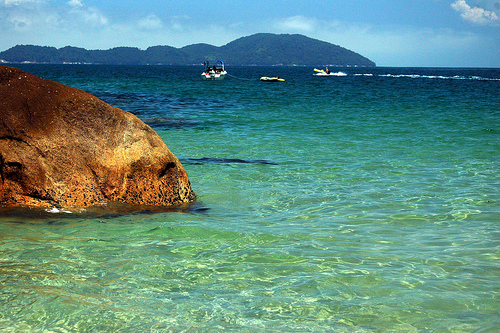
x,y
63,147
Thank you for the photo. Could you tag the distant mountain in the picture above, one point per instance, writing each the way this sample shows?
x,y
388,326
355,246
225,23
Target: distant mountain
x,y
259,49
269,49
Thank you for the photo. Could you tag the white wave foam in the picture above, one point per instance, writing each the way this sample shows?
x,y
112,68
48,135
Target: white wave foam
x,y
413,76
441,77
331,74
57,211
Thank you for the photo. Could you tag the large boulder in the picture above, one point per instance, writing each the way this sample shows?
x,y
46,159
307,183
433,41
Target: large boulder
x,y
63,147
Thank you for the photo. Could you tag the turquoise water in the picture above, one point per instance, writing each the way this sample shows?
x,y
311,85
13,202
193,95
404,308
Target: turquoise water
x,y
359,203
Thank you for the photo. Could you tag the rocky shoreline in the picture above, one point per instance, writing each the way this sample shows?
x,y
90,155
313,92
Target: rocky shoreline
x,y
63,147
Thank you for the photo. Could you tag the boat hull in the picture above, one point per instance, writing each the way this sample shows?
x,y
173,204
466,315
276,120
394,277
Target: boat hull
x,y
213,76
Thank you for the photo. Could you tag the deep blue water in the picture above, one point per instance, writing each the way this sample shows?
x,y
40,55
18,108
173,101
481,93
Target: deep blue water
x,y
360,203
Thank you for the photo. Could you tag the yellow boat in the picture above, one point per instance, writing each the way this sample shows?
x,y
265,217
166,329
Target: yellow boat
x,y
272,79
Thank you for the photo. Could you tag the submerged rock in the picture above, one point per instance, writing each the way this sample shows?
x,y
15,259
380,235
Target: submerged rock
x,y
63,147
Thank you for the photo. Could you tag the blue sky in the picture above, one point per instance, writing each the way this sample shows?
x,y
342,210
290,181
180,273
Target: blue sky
x,y
425,33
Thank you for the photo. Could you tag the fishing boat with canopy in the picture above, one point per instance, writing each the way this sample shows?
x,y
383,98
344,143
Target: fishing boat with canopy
x,y
214,70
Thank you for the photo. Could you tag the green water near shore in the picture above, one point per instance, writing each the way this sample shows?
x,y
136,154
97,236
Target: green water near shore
x,y
364,203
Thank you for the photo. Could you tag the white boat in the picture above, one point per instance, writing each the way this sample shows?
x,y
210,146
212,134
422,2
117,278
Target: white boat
x,y
215,71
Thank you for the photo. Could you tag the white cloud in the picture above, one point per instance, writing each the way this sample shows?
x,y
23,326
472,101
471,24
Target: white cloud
x,y
476,15
178,23
17,2
75,3
297,24
89,15
25,17
19,22
151,22
397,45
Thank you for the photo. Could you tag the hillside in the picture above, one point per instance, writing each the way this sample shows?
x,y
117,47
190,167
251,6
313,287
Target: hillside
x,y
259,49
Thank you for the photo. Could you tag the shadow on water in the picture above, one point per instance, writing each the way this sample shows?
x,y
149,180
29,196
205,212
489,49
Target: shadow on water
x,y
166,123
203,160
110,210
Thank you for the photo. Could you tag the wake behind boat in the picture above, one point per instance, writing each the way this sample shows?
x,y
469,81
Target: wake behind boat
x,y
215,71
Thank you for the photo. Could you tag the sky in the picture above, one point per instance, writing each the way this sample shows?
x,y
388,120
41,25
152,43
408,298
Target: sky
x,y
403,33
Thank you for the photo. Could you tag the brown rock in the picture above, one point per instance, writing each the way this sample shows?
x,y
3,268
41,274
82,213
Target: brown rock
x,y
63,147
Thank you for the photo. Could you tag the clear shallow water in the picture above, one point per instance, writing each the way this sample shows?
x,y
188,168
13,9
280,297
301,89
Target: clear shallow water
x,y
359,203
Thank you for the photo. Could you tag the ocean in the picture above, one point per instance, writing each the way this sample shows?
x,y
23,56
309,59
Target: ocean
x,y
367,201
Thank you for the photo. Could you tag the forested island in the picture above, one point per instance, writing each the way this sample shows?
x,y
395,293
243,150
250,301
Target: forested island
x,y
262,49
